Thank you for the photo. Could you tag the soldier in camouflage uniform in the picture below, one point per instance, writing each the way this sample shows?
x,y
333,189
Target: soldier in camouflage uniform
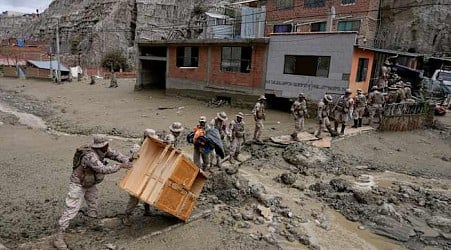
x,y
88,170
176,128
392,96
113,83
299,111
219,123
342,109
359,108
133,201
324,108
238,137
259,116
376,101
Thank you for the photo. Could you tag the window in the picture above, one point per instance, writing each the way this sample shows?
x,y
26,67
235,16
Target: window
x,y
362,70
318,27
187,57
345,2
349,25
236,59
307,65
282,28
314,3
284,4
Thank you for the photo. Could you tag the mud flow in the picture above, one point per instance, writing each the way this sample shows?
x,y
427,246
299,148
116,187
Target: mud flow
x,y
369,190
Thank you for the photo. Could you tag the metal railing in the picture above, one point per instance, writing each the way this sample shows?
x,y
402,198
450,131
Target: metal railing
x,y
400,109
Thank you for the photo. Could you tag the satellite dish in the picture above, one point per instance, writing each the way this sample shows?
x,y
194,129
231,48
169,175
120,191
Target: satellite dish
x,y
332,12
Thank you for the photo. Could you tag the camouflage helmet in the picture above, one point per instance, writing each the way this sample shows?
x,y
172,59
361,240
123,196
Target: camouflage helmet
x,y
262,97
150,133
176,127
328,98
359,91
203,119
222,116
99,141
240,114
348,91
301,95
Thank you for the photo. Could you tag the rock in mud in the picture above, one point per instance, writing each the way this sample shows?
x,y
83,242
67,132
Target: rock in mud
x,y
248,216
441,223
244,224
301,154
270,239
288,178
391,228
340,185
231,189
2,247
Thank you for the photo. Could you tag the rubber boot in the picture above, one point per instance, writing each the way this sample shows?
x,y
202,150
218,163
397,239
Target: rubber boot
x,y
355,123
342,129
318,134
231,160
360,122
59,242
333,133
336,127
236,158
147,209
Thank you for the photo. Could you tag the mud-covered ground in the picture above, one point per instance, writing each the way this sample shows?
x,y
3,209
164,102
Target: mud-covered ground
x,y
392,187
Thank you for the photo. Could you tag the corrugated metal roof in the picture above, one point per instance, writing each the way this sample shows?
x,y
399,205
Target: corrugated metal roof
x,y
388,51
46,65
218,16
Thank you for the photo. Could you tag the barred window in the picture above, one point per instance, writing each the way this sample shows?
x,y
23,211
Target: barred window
x,y
187,57
314,3
284,4
362,70
344,2
349,25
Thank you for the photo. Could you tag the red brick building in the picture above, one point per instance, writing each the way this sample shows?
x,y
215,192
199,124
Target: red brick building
x,y
324,16
231,69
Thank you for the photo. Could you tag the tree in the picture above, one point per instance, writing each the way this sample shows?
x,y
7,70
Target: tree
x,y
115,60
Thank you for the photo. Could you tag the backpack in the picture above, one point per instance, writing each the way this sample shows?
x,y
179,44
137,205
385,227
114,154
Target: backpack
x,y
79,153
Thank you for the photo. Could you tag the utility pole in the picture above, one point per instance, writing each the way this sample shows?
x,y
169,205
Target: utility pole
x,y
58,76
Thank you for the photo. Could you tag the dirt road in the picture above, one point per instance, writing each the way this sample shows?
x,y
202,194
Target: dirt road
x,y
35,163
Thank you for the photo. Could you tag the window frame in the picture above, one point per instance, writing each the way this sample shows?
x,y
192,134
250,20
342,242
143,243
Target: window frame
x,y
284,4
320,24
317,64
347,22
310,4
185,61
285,25
362,69
243,64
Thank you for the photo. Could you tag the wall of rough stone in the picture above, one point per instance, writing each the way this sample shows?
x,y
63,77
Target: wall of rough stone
x,y
423,29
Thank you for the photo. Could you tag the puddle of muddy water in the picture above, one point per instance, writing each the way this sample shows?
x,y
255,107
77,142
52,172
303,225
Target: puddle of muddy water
x,y
24,118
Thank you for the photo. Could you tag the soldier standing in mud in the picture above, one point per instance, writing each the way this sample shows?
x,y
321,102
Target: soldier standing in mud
x,y
113,83
93,80
238,137
259,116
88,171
385,74
324,108
359,108
133,201
175,129
376,101
392,96
219,123
341,112
299,112
198,154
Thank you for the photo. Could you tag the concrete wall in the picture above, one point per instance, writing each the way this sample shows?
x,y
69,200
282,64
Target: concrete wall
x,y
339,46
353,84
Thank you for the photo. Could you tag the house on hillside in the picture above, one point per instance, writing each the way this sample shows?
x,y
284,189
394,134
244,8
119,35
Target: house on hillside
x,y
44,69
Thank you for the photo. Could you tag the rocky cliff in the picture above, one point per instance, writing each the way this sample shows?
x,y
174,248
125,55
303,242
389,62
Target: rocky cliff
x,y
421,26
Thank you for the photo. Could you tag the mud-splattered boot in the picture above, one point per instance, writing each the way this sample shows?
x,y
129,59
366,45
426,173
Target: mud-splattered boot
x,y
336,127
59,242
333,133
356,121
360,122
342,132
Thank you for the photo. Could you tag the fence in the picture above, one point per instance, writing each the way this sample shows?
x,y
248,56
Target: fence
x,y
406,116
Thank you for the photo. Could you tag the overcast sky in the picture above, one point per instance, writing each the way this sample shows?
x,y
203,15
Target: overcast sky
x,y
27,6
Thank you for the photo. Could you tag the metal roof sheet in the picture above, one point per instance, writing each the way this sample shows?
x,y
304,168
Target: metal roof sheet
x,y
46,65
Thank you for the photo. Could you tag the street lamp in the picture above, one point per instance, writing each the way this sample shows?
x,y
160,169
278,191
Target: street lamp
x,y
58,74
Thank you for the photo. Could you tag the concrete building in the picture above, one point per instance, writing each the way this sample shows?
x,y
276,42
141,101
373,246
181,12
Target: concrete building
x,y
222,68
284,16
316,64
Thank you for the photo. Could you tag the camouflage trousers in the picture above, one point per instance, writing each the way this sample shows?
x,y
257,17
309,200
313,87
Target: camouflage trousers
x,y
235,147
298,124
258,129
376,109
197,155
74,200
358,113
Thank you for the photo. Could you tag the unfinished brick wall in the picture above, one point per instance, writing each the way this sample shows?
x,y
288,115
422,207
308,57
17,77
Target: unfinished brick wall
x,y
32,72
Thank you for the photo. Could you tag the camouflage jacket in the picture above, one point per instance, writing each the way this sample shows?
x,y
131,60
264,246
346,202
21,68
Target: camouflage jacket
x,y
259,111
237,129
299,108
92,167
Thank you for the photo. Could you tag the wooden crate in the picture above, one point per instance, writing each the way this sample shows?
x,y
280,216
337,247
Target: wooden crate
x,y
163,177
